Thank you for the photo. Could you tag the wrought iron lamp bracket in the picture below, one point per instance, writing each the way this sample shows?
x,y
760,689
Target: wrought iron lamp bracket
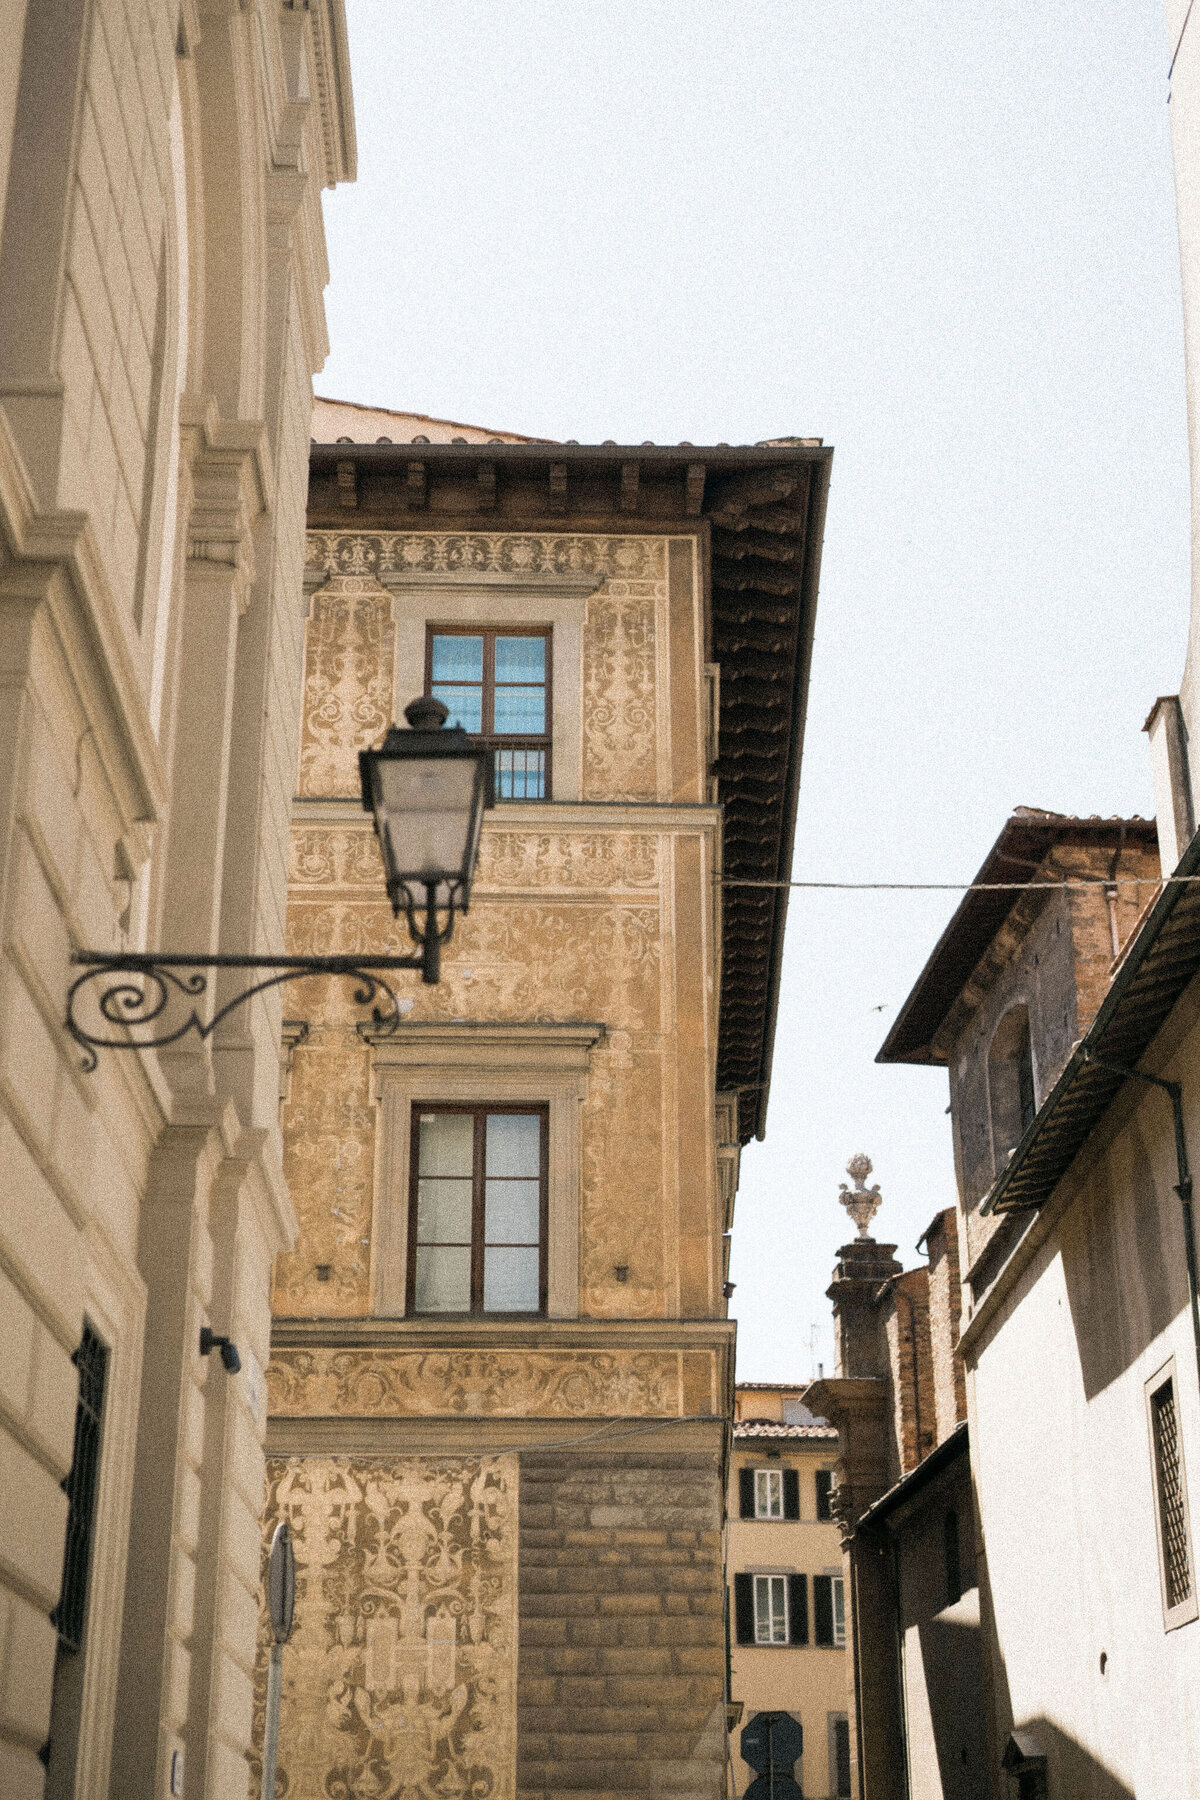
x,y
140,988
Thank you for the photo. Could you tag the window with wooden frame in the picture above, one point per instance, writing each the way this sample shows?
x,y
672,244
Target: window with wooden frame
x,y
1176,1565
478,1209
496,684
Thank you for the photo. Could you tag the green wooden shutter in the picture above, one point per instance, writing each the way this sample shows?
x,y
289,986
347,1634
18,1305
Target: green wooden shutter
x,y
823,1609
791,1493
824,1493
797,1609
746,1493
743,1608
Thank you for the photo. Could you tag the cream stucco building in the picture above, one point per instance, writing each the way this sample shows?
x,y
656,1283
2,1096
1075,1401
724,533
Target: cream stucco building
x,y
162,265
783,1560
501,1363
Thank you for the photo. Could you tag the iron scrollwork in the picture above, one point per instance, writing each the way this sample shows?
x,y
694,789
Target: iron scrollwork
x,y
140,988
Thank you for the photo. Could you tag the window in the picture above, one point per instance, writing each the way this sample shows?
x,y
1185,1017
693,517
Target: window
x,y
952,1562
769,1493
1011,1089
1170,1501
91,1359
496,685
824,1493
771,1608
60,1752
829,1611
477,1214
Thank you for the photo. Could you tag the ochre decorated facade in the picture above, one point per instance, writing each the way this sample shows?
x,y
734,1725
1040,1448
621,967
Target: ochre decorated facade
x,y
508,1525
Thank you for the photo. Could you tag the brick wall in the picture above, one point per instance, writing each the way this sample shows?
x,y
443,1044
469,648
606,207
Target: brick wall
x,y
906,1315
622,1639
945,1315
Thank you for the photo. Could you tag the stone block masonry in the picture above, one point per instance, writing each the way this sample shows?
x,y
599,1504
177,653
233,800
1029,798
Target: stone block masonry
x,y
621,1666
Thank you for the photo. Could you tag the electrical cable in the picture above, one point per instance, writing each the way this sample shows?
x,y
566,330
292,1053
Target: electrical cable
x,y
605,1434
966,887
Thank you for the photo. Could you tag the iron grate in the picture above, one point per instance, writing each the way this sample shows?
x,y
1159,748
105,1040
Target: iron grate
x,y
91,1359
1177,1563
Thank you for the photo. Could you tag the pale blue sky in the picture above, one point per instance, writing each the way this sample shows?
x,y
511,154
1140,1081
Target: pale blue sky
x,y
939,234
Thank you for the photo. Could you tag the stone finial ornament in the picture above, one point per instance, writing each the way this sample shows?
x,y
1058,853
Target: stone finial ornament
x,y
862,1203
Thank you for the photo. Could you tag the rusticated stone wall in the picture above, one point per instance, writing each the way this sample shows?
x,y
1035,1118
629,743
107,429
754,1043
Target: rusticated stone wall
x,y
621,1635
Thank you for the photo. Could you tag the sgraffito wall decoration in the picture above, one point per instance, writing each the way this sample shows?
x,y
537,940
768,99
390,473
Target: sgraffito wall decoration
x,y
404,1383
399,1680
584,942
348,677
350,661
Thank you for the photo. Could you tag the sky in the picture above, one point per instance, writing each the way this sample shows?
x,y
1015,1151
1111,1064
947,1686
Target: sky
x,y
942,237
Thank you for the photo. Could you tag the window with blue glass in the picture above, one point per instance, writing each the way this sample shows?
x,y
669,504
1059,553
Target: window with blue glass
x,y
496,685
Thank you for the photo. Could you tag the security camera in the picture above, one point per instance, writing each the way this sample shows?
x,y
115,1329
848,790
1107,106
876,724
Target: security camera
x,y
209,1341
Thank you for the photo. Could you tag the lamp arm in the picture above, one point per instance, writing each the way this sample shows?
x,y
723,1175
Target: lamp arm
x,y
145,983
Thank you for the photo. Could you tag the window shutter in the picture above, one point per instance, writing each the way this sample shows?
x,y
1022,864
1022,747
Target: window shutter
x,y
823,1610
798,1609
743,1608
824,1493
791,1493
746,1493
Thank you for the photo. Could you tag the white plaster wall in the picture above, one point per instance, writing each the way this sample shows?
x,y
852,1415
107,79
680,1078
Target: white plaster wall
x,y
1067,1514
1184,45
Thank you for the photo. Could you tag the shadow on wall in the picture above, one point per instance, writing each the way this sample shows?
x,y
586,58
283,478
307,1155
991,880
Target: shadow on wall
x,y
952,1661
1072,1770
1123,1263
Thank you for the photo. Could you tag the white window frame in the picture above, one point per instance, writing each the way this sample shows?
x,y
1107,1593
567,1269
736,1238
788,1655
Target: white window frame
x,y
766,1480
502,1063
838,1589
776,1619
1189,1608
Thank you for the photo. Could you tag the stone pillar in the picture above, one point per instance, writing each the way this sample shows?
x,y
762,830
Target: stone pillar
x,y
175,1258
860,1348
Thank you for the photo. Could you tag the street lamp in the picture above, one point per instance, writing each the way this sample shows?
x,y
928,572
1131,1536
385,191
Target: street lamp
x,y
427,788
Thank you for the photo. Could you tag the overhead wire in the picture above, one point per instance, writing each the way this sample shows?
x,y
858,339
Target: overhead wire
x,y
964,887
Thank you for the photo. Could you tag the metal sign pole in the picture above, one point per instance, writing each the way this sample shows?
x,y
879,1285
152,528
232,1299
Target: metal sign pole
x,y
271,1735
281,1603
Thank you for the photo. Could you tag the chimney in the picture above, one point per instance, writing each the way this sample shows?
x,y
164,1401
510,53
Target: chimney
x,y
1172,783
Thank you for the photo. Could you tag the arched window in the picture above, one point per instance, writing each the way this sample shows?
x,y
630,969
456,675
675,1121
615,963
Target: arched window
x,y
1011,1090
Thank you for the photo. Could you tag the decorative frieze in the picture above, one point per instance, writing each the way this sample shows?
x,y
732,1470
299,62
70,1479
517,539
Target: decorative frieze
x,y
385,1382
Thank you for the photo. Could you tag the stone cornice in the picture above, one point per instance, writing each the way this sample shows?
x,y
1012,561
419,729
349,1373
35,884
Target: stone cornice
x,y
499,1333
465,1043
335,101
535,815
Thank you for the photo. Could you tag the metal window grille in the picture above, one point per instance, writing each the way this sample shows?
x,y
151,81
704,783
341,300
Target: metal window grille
x,y
91,1359
1172,1511
770,1609
520,774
